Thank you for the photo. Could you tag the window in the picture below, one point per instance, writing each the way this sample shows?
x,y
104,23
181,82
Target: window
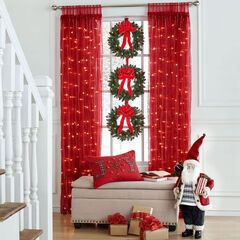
x,y
113,146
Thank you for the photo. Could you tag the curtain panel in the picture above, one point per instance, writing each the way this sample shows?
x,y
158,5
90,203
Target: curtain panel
x,y
81,93
170,84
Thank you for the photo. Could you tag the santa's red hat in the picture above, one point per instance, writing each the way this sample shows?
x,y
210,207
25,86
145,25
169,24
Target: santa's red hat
x,y
193,153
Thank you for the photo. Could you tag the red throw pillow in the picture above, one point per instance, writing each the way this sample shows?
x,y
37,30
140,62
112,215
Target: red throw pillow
x,y
121,167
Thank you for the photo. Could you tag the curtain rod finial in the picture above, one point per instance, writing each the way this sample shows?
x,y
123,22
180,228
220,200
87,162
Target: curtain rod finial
x,y
54,7
196,3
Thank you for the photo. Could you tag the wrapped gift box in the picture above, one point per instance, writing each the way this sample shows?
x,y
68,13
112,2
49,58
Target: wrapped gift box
x,y
159,234
118,229
202,183
134,223
134,227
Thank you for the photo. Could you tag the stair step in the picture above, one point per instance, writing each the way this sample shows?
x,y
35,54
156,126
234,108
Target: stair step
x,y
9,208
30,234
2,171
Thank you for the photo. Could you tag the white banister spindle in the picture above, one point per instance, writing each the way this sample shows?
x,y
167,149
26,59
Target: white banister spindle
x,y
17,140
28,209
8,88
34,170
2,141
8,97
44,150
26,125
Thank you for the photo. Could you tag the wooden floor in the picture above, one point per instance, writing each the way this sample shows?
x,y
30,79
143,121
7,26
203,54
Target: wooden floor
x,y
216,228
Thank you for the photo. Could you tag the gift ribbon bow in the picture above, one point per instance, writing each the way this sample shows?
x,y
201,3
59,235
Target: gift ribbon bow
x,y
139,215
117,218
126,28
125,73
149,223
127,112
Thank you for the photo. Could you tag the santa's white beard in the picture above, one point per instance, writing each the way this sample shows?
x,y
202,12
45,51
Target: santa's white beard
x,y
190,175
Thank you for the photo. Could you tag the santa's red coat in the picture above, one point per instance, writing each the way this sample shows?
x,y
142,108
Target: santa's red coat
x,y
202,202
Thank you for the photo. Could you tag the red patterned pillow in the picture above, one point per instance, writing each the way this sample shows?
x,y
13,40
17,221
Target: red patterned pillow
x,y
121,167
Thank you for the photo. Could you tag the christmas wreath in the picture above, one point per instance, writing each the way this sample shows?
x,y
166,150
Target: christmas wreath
x,y
125,29
125,74
134,119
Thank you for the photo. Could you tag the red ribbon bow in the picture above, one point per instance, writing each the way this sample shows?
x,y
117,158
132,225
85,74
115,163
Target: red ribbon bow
x,y
139,215
127,112
117,218
149,223
126,28
125,73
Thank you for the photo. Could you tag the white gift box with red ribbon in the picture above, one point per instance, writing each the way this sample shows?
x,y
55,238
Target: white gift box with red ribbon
x,y
202,183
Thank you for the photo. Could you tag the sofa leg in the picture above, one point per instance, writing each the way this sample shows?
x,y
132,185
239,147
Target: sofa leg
x,y
77,225
172,228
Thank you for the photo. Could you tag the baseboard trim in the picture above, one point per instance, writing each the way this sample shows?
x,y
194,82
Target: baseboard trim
x,y
223,213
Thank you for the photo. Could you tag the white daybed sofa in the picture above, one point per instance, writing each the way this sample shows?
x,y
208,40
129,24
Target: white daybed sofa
x,y
91,205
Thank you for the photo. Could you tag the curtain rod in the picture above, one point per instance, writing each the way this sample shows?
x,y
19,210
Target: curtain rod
x,y
55,7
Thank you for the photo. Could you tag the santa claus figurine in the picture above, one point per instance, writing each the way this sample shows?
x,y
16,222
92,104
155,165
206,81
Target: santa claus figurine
x,y
192,192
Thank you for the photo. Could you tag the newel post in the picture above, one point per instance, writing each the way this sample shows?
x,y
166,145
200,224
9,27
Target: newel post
x,y
45,157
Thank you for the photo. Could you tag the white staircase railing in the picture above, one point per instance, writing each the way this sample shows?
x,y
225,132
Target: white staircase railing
x,y
25,133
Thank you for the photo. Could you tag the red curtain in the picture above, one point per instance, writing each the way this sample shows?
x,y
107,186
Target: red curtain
x,y
81,101
170,84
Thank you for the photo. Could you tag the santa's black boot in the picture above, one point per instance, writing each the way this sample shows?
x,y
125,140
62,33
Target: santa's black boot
x,y
198,234
187,233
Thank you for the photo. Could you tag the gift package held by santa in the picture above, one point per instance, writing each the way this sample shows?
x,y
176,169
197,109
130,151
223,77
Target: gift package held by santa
x,y
138,213
152,229
118,225
202,183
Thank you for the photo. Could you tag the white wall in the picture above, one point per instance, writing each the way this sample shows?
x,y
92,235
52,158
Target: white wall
x,y
216,101
216,85
31,20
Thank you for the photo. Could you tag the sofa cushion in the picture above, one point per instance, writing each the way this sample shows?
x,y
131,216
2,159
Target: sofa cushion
x,y
121,167
86,182
122,194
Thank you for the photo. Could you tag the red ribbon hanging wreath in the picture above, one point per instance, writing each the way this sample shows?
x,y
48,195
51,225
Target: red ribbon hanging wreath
x,y
125,73
127,112
126,28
